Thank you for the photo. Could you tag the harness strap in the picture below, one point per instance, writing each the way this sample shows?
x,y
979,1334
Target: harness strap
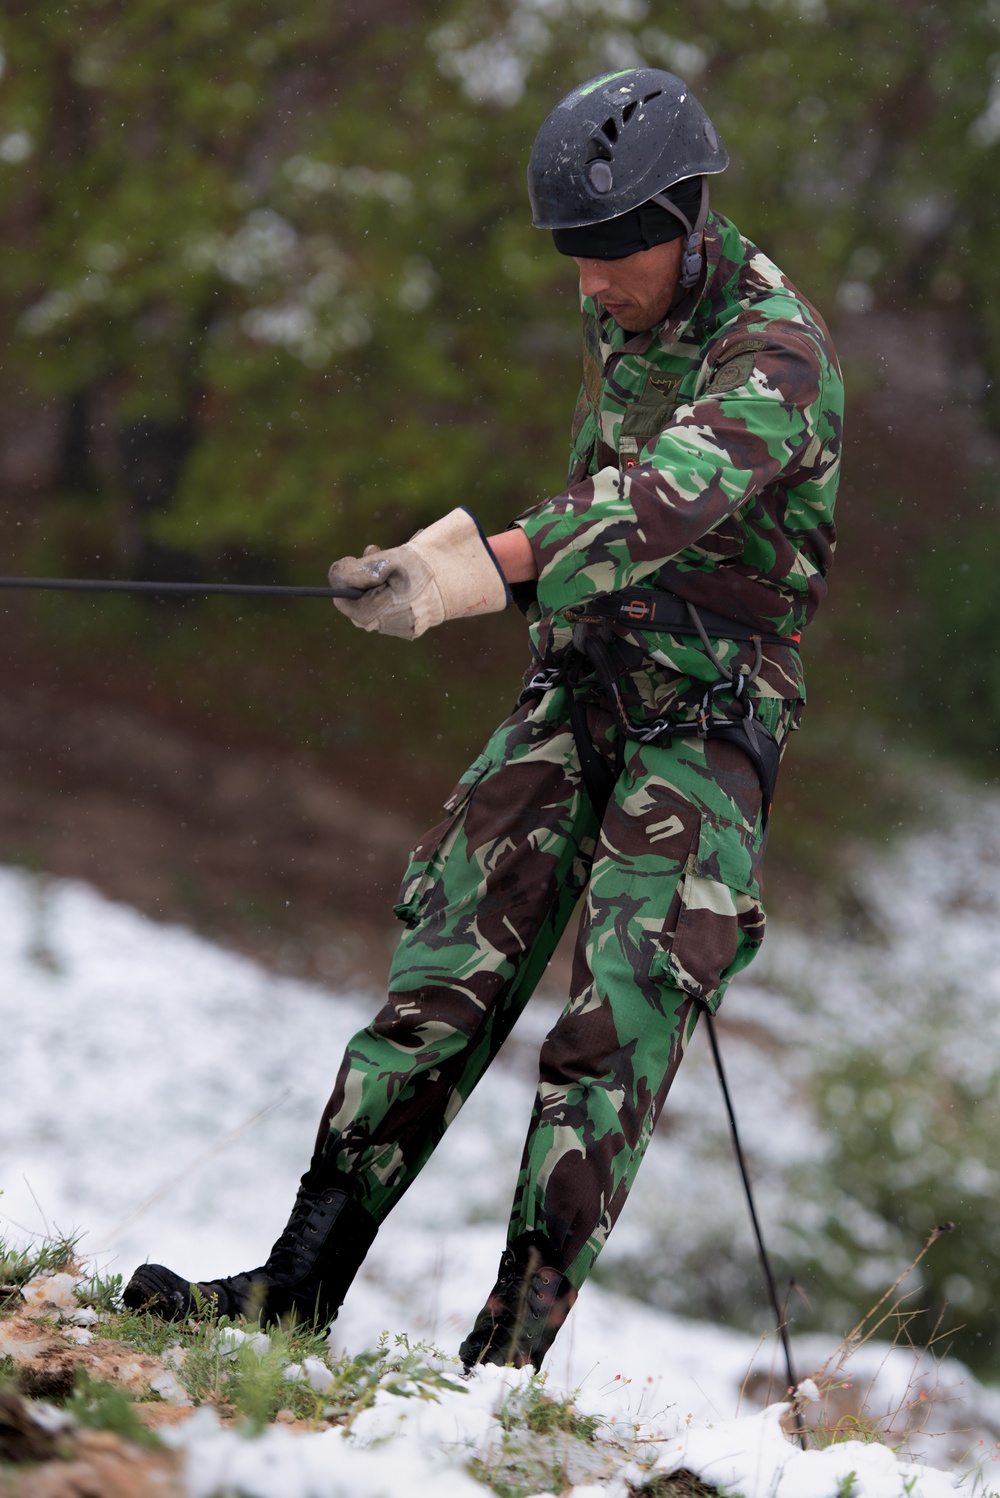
x,y
756,741
763,750
592,646
598,776
658,609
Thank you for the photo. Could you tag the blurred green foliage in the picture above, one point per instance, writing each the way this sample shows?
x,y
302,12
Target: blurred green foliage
x,y
960,669
275,263
912,1147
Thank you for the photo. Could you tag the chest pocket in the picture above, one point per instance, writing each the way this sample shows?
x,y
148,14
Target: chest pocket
x,y
647,416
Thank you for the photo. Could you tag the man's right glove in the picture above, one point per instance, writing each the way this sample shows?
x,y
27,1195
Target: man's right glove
x,y
445,572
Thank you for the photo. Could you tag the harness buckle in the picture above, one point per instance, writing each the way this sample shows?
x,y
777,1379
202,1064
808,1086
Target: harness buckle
x,y
543,681
655,730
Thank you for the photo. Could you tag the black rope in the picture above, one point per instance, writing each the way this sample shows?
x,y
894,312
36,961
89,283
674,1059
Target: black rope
x,y
239,590
779,1315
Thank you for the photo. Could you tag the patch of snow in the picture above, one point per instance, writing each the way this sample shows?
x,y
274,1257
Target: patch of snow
x,y
163,1094
167,1386
754,1457
325,1465
82,1316
317,1374
54,1292
48,1418
78,1334
230,1339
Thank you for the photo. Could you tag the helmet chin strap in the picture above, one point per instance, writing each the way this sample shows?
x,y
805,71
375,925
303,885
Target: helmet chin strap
x,y
695,233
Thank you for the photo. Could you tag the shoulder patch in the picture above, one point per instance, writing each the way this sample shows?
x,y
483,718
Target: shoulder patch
x,y
741,346
736,370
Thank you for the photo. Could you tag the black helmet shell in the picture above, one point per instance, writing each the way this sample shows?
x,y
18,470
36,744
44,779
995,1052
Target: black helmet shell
x,y
612,143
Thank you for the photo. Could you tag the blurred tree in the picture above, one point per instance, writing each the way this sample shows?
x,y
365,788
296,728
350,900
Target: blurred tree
x,y
282,258
276,268
222,313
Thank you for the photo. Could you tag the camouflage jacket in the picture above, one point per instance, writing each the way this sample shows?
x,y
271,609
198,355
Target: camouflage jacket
x,y
705,460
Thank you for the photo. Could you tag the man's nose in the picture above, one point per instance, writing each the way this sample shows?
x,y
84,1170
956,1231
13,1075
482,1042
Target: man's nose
x,y
593,277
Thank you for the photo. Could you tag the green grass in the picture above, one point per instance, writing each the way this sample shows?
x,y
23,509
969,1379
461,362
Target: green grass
x,y
102,1292
547,1446
142,1332
538,1412
248,1379
98,1405
232,1366
19,1265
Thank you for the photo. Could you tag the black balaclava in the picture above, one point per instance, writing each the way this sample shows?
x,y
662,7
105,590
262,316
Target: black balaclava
x,y
639,229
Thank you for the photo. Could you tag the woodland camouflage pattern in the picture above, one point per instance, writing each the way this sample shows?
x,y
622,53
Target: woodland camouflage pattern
x,y
705,459
672,912
706,456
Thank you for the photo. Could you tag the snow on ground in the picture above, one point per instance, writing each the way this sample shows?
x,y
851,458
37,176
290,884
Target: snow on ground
x,y
162,1095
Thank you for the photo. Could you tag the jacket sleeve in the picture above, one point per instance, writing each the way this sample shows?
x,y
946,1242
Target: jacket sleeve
x,y
763,416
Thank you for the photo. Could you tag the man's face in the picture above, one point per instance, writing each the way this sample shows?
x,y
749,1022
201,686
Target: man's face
x,y
638,290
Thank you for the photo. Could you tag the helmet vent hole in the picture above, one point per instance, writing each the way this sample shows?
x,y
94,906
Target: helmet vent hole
x,y
629,111
597,149
654,95
610,129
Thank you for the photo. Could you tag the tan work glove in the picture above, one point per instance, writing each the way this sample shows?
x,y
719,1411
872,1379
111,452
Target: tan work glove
x,y
444,572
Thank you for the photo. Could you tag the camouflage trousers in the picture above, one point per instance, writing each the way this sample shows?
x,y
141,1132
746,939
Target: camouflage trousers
x,y
672,911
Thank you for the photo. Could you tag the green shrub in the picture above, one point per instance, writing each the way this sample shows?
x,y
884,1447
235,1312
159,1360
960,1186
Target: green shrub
x,y
912,1146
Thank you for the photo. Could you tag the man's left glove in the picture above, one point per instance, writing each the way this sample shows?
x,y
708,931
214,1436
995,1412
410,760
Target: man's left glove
x,y
445,572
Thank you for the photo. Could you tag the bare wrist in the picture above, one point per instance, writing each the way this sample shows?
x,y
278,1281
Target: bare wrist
x,y
514,555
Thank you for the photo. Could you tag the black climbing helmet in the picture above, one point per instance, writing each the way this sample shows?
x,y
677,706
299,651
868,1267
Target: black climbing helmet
x,y
614,143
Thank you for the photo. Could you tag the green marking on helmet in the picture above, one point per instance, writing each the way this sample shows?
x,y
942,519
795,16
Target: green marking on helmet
x,y
590,87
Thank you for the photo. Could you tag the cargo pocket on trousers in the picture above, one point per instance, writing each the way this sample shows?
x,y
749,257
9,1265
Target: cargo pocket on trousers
x,y
720,924
429,856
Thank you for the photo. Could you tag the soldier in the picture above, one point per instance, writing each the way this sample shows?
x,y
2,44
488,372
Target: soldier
x,y
666,588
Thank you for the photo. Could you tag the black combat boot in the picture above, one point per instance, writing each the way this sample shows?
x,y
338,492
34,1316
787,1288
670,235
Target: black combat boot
x,y
306,1276
528,1304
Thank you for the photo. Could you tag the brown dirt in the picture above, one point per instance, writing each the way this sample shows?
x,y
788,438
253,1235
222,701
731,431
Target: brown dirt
x,y
257,849
97,1464
46,1358
81,1463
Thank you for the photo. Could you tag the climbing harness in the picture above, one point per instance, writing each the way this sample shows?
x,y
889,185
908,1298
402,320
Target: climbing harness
x,y
593,660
